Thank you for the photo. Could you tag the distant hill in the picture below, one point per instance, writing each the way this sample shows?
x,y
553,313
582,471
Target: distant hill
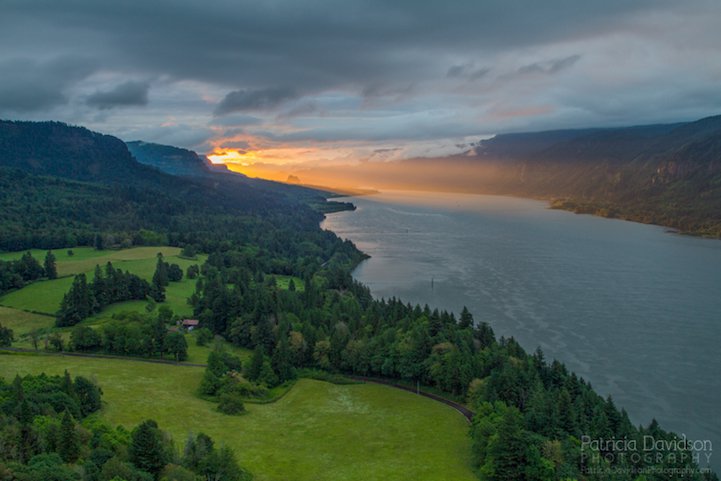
x,y
186,163
172,160
63,185
662,174
57,149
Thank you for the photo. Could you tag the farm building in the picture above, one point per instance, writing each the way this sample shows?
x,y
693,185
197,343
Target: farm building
x,y
190,324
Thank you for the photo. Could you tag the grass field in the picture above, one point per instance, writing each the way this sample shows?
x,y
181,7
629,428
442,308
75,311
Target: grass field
x,y
22,322
199,354
283,281
318,431
45,296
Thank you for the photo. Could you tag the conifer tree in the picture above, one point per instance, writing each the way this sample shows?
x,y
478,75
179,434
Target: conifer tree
x,y
51,271
69,445
147,450
281,361
466,319
77,304
256,364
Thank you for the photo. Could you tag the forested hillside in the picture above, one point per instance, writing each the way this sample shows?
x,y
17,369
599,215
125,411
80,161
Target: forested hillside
x,y
662,174
63,186
183,162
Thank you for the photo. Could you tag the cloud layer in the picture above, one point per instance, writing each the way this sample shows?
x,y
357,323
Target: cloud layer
x,y
352,78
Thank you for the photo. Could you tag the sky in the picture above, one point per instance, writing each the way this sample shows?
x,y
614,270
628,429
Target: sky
x,y
274,83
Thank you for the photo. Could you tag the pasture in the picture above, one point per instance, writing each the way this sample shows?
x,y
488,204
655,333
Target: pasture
x,y
318,431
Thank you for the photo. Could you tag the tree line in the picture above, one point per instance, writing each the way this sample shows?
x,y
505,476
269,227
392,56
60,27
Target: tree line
x,y
133,334
108,286
17,274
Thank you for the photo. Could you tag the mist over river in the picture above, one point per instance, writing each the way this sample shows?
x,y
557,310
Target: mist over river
x,y
632,308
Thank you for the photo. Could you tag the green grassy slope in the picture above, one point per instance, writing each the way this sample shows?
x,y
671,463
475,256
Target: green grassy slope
x,y
45,296
318,431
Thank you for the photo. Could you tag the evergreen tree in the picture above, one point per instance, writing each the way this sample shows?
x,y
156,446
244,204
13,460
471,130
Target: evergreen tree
x,y
102,288
77,304
466,319
99,242
69,445
281,361
147,450
256,364
507,450
88,395
51,271
160,277
221,464
6,336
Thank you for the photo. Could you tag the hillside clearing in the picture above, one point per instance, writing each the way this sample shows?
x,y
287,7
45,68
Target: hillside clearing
x,y
318,431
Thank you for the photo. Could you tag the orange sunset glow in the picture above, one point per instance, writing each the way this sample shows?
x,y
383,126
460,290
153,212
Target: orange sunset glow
x,y
229,156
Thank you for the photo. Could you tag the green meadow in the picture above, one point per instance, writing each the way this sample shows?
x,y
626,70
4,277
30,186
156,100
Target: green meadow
x,y
45,296
22,322
318,431
283,281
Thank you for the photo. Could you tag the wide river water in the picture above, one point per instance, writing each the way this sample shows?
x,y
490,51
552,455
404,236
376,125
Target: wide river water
x,y
632,308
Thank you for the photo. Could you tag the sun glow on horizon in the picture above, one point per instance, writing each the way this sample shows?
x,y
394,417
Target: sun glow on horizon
x,y
231,156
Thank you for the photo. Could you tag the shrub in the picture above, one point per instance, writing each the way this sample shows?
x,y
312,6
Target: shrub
x,y
231,403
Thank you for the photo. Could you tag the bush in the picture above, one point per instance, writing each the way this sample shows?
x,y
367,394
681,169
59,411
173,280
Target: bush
x,y
203,336
231,403
6,336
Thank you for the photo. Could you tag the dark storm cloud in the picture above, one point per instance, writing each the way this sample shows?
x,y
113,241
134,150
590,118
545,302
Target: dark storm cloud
x,y
444,60
126,94
254,100
28,85
316,45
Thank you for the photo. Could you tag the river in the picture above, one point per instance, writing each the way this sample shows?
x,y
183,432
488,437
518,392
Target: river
x,y
632,308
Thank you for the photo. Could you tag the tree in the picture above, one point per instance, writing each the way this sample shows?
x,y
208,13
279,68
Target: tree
x,y
160,277
6,336
84,338
197,450
28,268
77,303
203,336
99,242
147,450
253,370
506,450
189,251
267,375
176,346
466,319
165,314
175,273
88,395
221,465
281,361
51,271
231,403
69,445
192,271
